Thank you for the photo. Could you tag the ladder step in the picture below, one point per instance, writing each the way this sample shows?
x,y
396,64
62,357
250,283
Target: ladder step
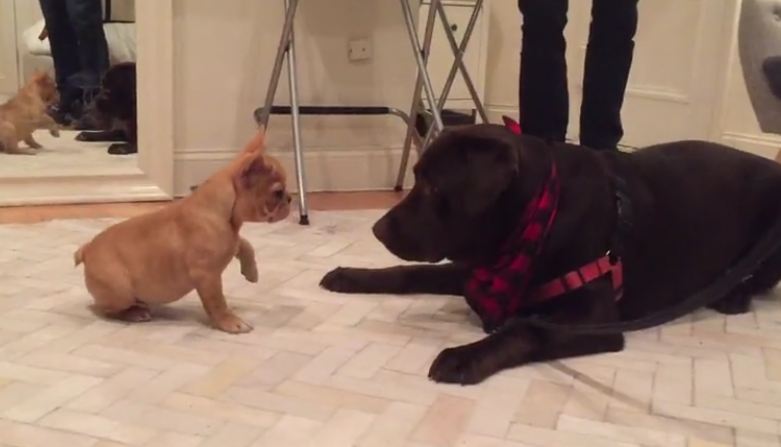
x,y
327,110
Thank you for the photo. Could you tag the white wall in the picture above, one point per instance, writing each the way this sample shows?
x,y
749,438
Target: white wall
x,y
504,51
679,87
223,57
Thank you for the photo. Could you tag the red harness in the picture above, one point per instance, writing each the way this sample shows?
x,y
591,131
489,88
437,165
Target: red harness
x,y
498,292
580,277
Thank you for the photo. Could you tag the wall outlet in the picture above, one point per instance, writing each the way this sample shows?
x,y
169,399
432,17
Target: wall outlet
x,y
359,50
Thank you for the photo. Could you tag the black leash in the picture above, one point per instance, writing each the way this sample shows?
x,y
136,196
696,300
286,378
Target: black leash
x,y
723,286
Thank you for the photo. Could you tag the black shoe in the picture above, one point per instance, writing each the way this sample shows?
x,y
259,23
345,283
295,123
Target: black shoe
x,y
85,124
60,116
122,149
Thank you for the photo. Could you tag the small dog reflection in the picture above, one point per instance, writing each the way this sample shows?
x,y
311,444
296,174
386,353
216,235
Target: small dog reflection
x,y
26,112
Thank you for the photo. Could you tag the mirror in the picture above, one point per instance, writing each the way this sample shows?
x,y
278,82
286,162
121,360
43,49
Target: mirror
x,y
67,88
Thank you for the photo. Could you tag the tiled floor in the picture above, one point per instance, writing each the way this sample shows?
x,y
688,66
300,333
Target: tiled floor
x,y
331,370
64,156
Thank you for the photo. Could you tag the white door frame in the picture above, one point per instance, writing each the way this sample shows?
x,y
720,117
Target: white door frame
x,y
9,75
153,179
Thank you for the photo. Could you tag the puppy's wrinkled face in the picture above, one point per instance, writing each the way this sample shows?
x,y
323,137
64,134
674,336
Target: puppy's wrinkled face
x,y
261,189
460,182
45,87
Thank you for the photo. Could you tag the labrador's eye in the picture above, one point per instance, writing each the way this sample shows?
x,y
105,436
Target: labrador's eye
x,y
441,202
279,194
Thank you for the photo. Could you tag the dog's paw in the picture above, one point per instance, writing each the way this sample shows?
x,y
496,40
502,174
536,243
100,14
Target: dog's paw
x,y
735,304
462,365
24,151
54,132
341,279
232,324
250,273
136,314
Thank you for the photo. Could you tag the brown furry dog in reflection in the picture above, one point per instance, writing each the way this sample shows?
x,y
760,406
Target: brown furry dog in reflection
x,y
114,110
26,112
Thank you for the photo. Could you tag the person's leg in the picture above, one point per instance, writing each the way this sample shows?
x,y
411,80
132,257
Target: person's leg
x,y
544,98
608,61
64,45
86,17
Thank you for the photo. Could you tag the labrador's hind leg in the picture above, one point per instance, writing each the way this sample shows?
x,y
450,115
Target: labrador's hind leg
x,y
761,282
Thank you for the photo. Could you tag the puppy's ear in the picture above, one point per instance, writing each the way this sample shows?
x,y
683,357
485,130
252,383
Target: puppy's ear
x,y
251,168
257,143
41,77
492,166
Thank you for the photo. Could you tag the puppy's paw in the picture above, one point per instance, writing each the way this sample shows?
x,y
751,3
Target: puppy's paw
x,y
250,273
342,280
136,314
232,324
54,132
462,365
24,151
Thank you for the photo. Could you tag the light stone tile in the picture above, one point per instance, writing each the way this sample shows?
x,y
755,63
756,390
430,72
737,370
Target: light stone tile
x,y
348,369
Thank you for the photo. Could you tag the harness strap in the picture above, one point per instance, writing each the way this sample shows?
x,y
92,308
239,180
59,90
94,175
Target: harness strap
x,y
610,264
580,277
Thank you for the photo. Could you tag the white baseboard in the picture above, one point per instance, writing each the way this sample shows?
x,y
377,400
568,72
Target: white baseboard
x,y
360,169
764,145
497,111
54,190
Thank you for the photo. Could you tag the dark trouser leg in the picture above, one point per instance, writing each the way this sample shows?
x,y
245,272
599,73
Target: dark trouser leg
x,y
608,61
86,17
64,45
544,98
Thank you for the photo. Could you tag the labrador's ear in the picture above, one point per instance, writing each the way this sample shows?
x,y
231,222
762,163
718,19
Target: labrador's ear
x,y
491,167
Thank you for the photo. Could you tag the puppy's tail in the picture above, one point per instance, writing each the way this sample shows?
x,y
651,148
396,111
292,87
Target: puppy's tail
x,y
78,256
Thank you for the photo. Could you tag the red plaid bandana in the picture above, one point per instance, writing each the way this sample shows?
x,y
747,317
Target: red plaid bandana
x,y
498,291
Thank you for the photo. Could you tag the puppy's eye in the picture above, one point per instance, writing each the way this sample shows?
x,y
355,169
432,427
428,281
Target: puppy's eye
x,y
279,194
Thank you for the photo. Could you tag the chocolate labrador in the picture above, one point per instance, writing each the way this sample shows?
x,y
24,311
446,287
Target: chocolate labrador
x,y
535,232
114,110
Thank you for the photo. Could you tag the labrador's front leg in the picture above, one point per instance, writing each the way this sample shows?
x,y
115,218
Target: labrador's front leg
x,y
520,343
444,279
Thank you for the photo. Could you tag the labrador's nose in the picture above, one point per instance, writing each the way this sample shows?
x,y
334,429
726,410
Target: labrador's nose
x,y
382,228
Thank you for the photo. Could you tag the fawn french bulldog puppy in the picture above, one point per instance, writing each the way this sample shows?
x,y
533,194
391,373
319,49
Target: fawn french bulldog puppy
x,y
160,257
23,114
